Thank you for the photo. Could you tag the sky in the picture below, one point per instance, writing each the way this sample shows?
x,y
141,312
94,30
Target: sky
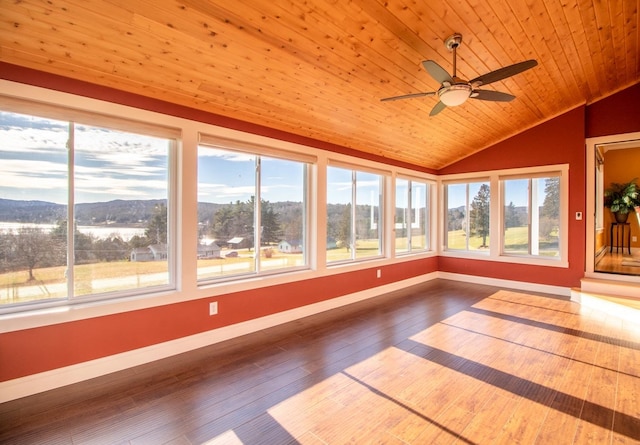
x,y
113,165
108,164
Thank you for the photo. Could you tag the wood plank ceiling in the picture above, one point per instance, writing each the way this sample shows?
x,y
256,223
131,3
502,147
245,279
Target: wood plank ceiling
x,y
319,68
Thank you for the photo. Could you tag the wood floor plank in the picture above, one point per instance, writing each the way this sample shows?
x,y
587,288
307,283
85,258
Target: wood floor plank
x,y
442,362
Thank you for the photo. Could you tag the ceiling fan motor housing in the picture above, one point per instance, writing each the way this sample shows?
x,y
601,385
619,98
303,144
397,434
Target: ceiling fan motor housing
x,y
455,94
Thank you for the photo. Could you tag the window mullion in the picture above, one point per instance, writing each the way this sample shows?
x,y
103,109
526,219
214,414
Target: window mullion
x,y
257,217
354,185
467,218
408,220
530,219
71,211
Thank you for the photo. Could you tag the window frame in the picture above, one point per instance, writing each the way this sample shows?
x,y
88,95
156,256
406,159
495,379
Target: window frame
x,y
469,200
428,218
259,152
497,208
384,234
74,118
531,217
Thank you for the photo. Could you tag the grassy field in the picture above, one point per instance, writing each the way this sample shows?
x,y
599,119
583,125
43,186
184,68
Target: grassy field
x,y
516,241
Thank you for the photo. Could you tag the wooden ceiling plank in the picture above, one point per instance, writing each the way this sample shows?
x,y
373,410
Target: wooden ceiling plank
x,y
631,15
593,39
565,52
516,34
564,18
549,54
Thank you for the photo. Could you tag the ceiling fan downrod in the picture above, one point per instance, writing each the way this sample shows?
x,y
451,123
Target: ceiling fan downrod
x,y
452,43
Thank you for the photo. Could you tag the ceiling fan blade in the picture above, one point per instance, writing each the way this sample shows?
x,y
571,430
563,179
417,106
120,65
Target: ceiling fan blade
x,y
407,96
436,71
503,73
495,96
437,109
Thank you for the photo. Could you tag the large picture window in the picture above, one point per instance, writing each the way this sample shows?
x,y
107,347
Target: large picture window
x,y
468,216
531,222
252,213
112,184
412,216
354,214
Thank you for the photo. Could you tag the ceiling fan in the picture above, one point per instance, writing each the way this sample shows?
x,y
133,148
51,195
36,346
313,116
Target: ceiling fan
x,y
455,91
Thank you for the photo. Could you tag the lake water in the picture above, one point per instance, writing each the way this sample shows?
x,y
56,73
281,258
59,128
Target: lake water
x,y
101,232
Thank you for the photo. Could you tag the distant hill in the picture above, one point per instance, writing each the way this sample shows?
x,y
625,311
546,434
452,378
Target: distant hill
x,y
119,211
37,212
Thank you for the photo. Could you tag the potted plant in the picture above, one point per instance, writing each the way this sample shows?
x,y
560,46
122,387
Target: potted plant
x,y
622,198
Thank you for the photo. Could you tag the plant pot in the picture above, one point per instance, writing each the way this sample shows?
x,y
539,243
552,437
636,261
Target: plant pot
x,y
621,217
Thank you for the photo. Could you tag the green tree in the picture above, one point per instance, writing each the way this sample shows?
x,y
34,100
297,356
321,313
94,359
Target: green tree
x,y
112,248
31,247
270,222
344,235
156,231
511,218
551,204
479,214
223,227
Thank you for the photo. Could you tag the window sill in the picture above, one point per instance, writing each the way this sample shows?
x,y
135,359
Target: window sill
x,y
486,256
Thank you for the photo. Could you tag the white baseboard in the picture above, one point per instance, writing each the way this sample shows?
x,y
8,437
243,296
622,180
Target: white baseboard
x,y
609,286
511,284
44,381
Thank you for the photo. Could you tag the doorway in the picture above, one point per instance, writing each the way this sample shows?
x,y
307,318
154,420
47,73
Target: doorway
x,y
613,248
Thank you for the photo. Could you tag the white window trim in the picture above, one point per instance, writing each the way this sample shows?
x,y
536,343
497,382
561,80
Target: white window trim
x,y
431,222
495,248
385,210
259,152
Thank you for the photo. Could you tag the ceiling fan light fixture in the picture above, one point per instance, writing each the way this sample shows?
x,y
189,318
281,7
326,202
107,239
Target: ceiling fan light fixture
x,y
455,95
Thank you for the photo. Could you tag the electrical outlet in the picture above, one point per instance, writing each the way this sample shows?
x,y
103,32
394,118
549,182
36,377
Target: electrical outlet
x,y
634,239
213,308
379,273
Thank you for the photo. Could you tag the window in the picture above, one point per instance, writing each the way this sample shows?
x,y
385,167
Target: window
x,y
531,222
411,216
468,216
252,213
113,184
354,214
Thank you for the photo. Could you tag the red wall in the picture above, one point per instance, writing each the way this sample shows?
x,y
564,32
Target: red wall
x,y
616,114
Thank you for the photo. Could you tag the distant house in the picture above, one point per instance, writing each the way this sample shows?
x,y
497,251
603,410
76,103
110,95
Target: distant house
x,y
292,246
154,252
332,243
211,250
238,242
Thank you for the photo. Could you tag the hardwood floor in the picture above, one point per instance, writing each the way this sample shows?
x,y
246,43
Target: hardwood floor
x,y
444,362
619,262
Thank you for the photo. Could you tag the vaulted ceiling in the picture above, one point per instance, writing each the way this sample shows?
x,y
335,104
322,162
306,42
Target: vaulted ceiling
x,y
318,68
